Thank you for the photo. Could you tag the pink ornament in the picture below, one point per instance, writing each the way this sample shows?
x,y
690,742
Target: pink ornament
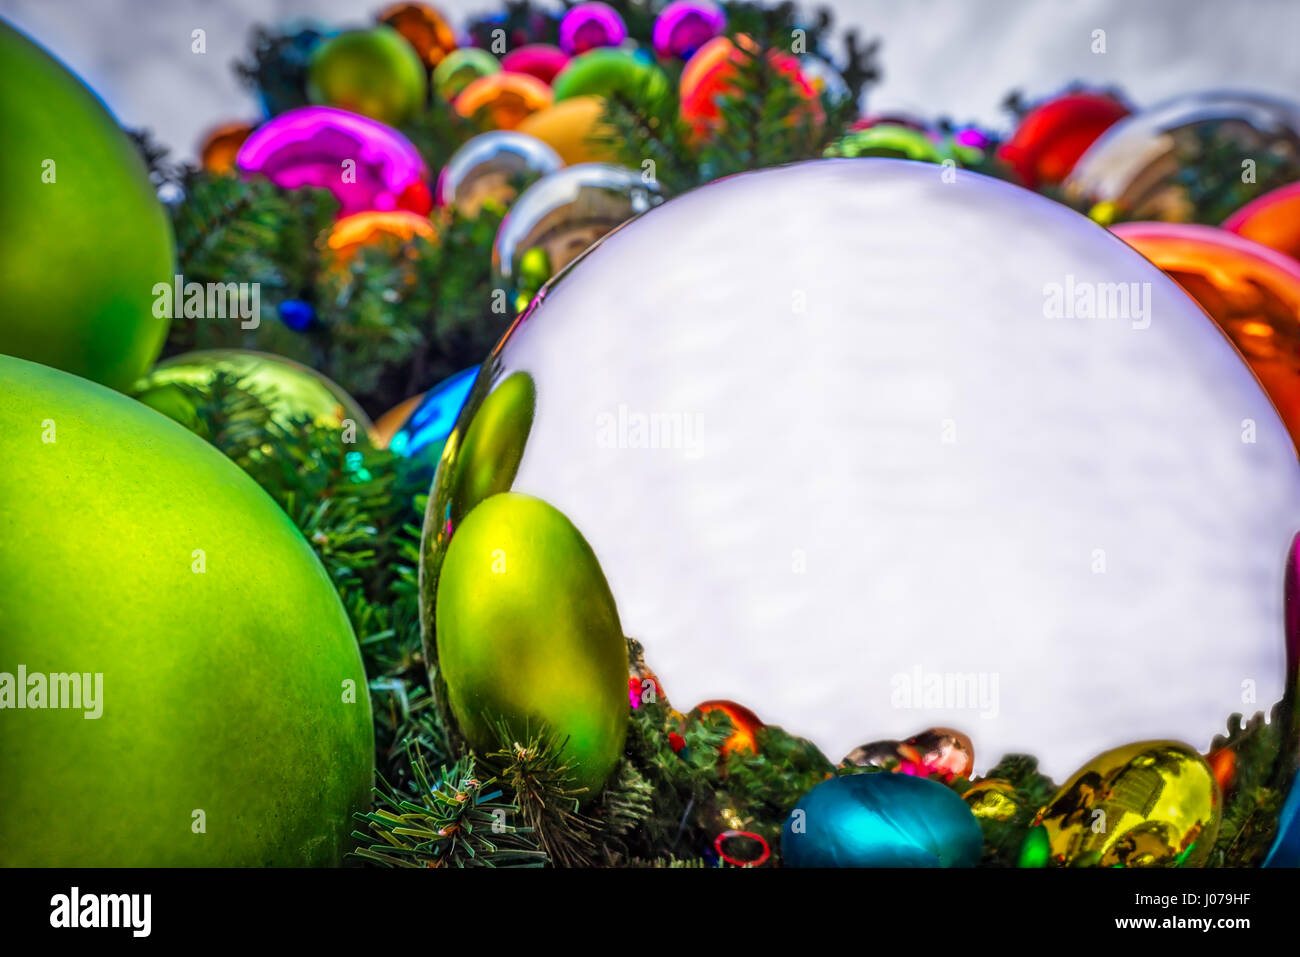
x,y
365,164
536,59
591,25
686,25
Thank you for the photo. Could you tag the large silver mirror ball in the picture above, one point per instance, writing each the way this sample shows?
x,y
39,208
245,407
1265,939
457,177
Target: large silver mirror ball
x,y
871,446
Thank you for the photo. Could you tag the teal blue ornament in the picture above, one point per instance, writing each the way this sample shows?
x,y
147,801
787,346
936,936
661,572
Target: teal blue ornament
x,y
878,819
425,432
1286,848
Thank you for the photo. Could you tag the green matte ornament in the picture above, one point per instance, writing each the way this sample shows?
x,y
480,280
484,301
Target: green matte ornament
x,y
374,72
230,724
83,237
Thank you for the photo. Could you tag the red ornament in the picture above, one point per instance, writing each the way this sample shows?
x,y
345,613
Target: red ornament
x,y
746,723
676,742
712,72
1055,133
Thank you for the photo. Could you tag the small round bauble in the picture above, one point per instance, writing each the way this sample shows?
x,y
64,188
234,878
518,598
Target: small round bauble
x,y
428,32
85,238
529,638
1251,291
1273,220
746,725
492,168
1152,804
573,129
221,145
373,72
590,25
351,233
424,430
909,483
462,67
536,59
1054,133
887,140
684,26
504,99
874,819
610,71
944,751
207,644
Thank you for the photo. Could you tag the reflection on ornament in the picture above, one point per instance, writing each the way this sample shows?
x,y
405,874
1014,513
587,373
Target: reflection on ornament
x,y
462,67
606,72
993,799
536,59
563,214
392,420
590,25
1152,804
309,147
364,229
872,819
745,722
944,751
1137,163
1273,220
291,390
423,27
888,140
491,168
654,397
714,71
372,72
221,145
1053,134
425,430
1251,291
505,98
684,26
573,129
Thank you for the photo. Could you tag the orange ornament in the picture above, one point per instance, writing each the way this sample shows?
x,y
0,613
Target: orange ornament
x,y
423,27
1251,291
1223,765
712,73
508,98
220,145
746,723
386,425
360,229
1273,220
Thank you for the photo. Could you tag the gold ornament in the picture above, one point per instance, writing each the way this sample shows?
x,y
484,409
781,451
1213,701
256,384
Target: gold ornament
x,y
993,799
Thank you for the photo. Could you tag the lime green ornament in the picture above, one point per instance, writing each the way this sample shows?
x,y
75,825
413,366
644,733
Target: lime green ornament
x,y
889,140
609,70
486,462
529,637
83,237
212,706
1036,850
460,68
374,72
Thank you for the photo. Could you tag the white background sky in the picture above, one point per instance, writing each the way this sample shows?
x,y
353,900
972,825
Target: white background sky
x,y
953,57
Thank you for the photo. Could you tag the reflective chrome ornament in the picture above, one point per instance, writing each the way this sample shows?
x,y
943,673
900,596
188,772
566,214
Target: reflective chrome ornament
x,y
493,167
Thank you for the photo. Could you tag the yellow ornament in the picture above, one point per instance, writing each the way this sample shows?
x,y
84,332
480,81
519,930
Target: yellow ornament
x,y
1151,804
571,128
993,799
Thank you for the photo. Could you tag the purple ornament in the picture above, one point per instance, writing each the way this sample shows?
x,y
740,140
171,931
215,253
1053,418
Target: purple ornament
x,y
311,146
686,25
972,137
591,25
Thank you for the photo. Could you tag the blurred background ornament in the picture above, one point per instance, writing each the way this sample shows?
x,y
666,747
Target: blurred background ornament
x,y
1151,804
386,425
609,71
1251,291
311,146
888,755
298,314
684,26
558,217
1273,220
373,226
424,431
994,799
541,60
462,67
874,819
887,140
746,724
373,72
714,72
1285,851
573,129
1187,159
1055,132
944,751
428,32
493,168
505,99
587,26
221,145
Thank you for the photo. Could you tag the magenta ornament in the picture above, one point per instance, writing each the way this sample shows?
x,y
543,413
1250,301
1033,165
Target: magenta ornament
x,y
536,59
591,25
686,25
365,164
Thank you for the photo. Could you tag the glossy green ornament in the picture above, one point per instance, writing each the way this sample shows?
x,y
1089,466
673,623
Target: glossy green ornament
x,y
528,635
1151,804
234,726
486,461
83,237
374,72
887,139
605,71
1037,849
460,68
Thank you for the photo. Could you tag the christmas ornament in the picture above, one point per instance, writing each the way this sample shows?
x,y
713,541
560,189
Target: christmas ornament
x,y
1251,291
1151,804
684,26
425,430
423,27
605,72
491,168
744,737
945,751
1273,220
1037,849
291,390
874,819
462,67
373,72
886,139
528,635
220,146
993,799
573,129
1138,166
187,609
386,425
591,25
365,164
1285,851
504,98
562,214
85,238
1223,765
299,315
1054,133
714,72
364,229
889,755
925,455
536,59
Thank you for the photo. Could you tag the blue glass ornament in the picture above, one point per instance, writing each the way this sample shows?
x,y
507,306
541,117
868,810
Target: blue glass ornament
x,y
297,314
1285,851
429,425
878,819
